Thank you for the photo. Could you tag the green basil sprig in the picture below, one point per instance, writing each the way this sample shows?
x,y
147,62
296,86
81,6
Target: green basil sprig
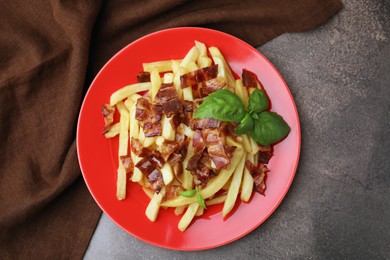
x,y
246,125
192,193
269,128
222,105
264,127
258,101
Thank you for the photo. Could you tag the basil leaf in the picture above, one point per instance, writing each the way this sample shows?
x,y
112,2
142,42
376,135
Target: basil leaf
x,y
258,101
222,105
200,200
246,125
188,193
254,116
269,128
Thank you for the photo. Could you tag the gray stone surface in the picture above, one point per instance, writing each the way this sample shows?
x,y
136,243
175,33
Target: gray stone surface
x,y
338,206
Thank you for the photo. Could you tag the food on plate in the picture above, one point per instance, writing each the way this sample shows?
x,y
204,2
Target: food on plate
x,y
193,135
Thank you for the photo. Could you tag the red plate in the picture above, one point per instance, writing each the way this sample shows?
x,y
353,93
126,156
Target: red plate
x,y
98,156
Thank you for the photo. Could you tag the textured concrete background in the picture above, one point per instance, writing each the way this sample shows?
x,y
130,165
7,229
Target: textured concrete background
x,y
338,206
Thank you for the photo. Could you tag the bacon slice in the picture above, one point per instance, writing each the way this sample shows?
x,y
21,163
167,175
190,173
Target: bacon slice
x,y
148,167
143,106
249,79
157,158
156,180
138,149
204,123
183,149
108,113
174,158
198,76
150,116
127,163
218,156
146,111
200,166
166,92
198,142
193,162
172,191
167,96
151,129
188,110
215,148
229,151
167,148
172,106
211,86
143,76
265,154
259,175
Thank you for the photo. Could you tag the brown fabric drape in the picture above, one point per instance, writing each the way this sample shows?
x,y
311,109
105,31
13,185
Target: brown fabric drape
x,y
49,53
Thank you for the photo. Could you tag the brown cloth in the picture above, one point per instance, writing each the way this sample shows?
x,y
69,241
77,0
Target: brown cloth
x,y
49,53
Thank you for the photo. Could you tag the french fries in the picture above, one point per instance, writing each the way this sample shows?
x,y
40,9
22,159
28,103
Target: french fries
x,y
230,183
188,216
247,181
233,189
127,91
161,66
154,205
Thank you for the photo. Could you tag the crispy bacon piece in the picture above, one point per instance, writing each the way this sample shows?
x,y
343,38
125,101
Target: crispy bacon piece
x,y
167,148
169,100
198,142
188,110
157,158
156,180
146,111
150,116
178,170
151,129
211,136
228,128
200,166
143,76
174,158
108,113
249,79
259,175
218,156
166,92
138,149
265,154
188,106
172,191
148,167
204,123
180,139
183,150
143,106
193,162
215,148
211,86
229,151
172,106
176,120
149,162
127,163
198,76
